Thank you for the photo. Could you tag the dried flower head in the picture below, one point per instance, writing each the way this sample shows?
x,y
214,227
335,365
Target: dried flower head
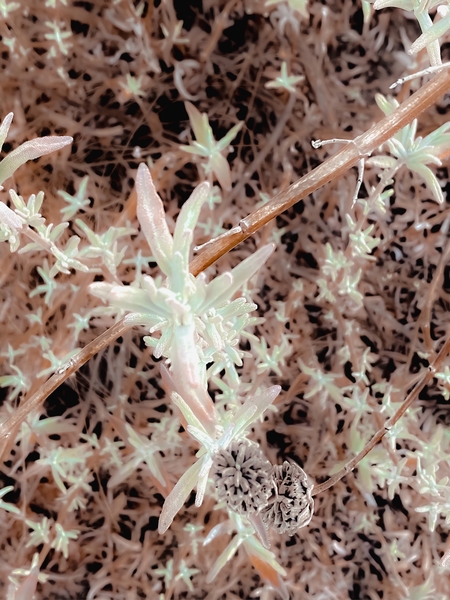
x,y
242,477
291,505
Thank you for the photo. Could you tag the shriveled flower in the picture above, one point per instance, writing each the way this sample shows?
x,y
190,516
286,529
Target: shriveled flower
x,y
229,430
242,477
291,505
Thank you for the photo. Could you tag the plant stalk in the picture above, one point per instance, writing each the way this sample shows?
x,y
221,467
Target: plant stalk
x,y
332,168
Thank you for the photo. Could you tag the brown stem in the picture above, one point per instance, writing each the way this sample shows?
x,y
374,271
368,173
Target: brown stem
x,y
72,365
330,169
413,395
333,167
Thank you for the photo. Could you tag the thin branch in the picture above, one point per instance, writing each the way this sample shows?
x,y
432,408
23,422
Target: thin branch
x,y
410,398
330,169
72,365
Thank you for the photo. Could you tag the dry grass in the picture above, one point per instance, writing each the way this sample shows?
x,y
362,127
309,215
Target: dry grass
x,y
366,539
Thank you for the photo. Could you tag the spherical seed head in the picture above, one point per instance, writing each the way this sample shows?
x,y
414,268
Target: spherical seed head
x,y
291,505
242,476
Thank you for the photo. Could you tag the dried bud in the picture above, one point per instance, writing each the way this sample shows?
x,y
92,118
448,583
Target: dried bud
x,y
291,505
242,477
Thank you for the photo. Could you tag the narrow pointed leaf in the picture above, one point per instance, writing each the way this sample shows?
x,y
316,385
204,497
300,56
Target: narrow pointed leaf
x,y
178,495
229,137
245,270
214,290
187,219
152,218
221,169
431,35
431,181
226,555
29,151
4,128
262,401
199,124
220,529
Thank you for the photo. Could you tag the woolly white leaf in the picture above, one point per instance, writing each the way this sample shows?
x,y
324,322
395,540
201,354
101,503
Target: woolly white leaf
x,y
29,151
187,219
9,217
178,495
151,216
4,128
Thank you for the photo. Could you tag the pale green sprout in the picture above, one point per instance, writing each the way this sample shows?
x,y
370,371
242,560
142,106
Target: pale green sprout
x,y
76,202
272,361
428,483
145,451
207,147
334,262
61,540
185,573
29,216
27,588
7,7
349,287
434,511
80,323
357,403
285,81
59,36
322,382
414,153
133,85
444,375
325,292
395,551
40,533
55,362
362,242
18,382
195,539
48,287
34,427
29,212
104,246
426,591
63,462
166,572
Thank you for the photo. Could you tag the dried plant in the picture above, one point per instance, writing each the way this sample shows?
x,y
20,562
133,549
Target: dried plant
x,y
299,385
